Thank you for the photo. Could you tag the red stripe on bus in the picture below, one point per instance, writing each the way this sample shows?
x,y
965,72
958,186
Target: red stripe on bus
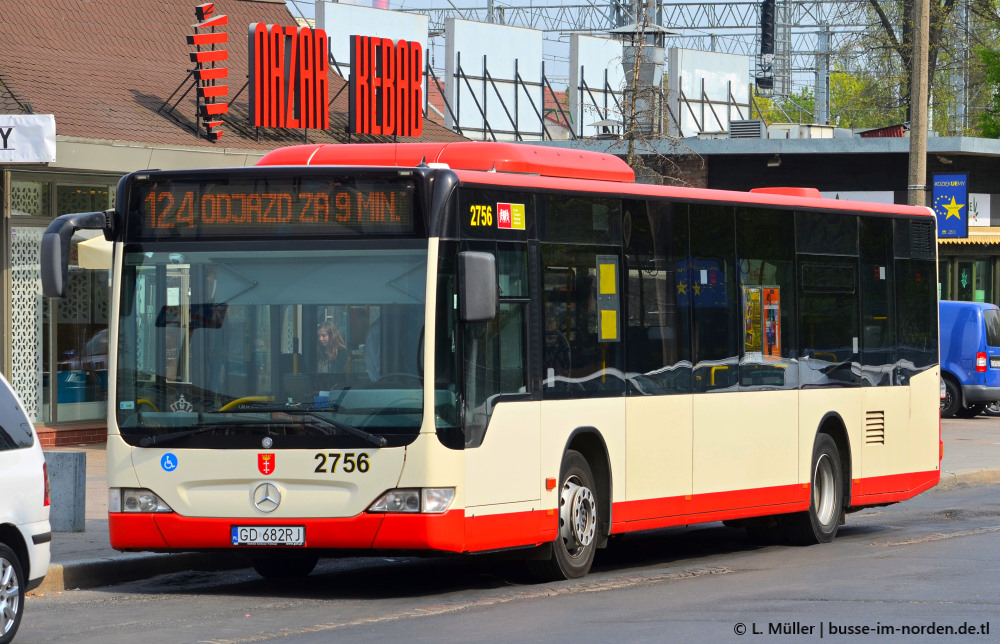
x,y
892,488
647,514
455,532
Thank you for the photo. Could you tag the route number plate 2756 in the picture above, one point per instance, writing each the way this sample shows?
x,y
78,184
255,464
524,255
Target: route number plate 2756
x,y
269,535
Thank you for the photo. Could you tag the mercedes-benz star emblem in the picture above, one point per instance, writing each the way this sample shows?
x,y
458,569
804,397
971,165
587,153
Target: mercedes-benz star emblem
x,y
266,497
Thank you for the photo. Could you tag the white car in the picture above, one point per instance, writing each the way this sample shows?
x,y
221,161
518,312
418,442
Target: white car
x,y
25,532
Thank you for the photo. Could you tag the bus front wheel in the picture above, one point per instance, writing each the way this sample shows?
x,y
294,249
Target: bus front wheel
x,y
572,553
826,505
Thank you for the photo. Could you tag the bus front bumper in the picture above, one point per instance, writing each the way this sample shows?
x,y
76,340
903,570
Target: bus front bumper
x,y
452,531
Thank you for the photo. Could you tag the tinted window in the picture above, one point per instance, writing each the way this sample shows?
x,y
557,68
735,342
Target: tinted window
x,y
992,319
713,292
827,233
658,333
916,289
582,352
878,338
828,329
15,430
766,259
583,220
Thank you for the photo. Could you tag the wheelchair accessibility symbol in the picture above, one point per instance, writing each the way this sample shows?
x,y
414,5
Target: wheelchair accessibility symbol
x,y
168,462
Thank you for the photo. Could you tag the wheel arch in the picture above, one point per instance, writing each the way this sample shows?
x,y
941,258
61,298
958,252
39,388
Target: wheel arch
x,y
12,537
590,443
833,426
947,374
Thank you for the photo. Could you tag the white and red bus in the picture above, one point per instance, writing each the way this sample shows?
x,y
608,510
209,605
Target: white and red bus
x,y
472,347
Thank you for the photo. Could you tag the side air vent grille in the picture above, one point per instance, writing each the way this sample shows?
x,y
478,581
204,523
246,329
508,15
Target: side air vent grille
x,y
875,428
922,240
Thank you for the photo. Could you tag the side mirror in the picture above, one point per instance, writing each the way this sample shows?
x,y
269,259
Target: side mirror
x,y
477,287
55,247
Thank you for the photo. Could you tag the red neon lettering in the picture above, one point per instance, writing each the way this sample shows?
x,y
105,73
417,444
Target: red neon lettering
x,y
416,88
402,88
258,74
276,76
388,86
306,78
359,88
321,84
374,45
292,73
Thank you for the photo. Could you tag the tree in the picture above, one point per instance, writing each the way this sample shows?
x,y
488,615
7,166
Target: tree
x,y
896,20
856,101
989,118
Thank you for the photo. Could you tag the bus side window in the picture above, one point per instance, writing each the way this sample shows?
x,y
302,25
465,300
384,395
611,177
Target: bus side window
x,y
765,247
570,301
657,337
713,292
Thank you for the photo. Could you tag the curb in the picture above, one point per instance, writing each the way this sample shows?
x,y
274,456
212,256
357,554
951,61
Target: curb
x,y
968,477
90,573
107,571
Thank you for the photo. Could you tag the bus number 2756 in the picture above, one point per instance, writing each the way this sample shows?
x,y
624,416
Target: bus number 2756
x,y
351,463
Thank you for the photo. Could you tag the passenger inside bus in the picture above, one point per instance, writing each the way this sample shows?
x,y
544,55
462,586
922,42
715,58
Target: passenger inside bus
x,y
331,349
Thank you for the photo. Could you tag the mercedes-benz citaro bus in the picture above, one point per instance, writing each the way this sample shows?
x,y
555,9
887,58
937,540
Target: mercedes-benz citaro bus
x,y
476,347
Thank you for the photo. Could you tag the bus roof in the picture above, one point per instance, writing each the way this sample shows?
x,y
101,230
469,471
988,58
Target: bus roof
x,y
464,155
525,165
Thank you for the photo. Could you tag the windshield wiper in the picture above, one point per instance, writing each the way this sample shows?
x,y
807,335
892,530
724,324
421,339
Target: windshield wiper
x,y
156,439
374,439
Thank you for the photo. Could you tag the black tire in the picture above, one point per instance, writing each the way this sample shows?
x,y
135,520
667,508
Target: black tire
x,y
826,506
971,411
992,409
572,553
952,400
11,593
285,567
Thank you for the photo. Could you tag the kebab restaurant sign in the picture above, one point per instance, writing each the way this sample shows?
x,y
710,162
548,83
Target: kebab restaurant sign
x,y
289,84
386,86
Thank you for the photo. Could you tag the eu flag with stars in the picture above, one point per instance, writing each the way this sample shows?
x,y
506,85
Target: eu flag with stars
x,y
951,204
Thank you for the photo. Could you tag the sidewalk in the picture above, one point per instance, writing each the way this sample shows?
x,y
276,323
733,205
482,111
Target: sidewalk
x,y
85,559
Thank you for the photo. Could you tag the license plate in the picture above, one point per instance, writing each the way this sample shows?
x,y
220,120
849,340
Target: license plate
x,y
995,362
269,535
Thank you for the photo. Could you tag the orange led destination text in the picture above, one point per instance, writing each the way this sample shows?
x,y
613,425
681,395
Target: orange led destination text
x,y
167,209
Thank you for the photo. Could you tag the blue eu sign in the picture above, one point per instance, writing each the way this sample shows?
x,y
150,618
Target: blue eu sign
x,y
950,201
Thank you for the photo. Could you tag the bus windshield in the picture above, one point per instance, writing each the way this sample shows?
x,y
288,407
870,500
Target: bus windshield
x,y
291,348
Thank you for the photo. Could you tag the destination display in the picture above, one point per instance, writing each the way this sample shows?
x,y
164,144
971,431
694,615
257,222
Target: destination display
x,y
256,206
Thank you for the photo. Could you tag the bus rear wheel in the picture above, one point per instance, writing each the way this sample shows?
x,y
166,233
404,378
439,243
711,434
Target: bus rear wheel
x,y
826,505
572,553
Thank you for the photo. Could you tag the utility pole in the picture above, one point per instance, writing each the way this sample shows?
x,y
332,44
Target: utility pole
x,y
917,180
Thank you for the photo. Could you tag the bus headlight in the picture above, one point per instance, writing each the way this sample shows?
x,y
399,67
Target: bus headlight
x,y
430,500
135,500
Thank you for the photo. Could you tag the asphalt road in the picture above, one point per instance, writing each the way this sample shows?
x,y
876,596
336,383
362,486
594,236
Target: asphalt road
x,y
907,572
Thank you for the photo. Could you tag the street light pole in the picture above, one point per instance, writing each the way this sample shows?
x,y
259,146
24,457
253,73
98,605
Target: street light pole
x,y
917,179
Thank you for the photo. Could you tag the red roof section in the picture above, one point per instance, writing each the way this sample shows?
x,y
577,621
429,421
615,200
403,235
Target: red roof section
x,y
470,155
106,69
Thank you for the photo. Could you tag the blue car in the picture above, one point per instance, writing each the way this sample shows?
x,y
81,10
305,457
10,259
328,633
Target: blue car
x,y
970,357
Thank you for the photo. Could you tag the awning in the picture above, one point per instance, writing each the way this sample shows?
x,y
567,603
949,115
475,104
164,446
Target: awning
x,y
94,253
985,235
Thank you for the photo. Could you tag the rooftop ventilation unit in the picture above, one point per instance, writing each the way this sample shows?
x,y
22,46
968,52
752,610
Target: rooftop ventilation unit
x,y
747,130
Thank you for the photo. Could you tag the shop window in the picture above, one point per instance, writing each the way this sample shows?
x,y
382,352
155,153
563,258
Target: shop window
x,y
29,198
